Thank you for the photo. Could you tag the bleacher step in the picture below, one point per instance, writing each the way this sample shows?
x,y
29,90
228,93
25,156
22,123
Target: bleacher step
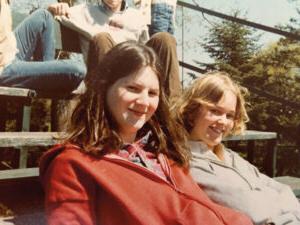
x,y
23,139
19,173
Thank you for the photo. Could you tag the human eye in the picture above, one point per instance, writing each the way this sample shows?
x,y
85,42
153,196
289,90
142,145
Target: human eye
x,y
153,93
230,116
215,111
133,88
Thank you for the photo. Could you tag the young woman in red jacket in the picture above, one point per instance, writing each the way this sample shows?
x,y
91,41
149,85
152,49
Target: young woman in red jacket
x,y
125,160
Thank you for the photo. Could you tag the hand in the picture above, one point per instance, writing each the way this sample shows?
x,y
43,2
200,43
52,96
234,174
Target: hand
x,y
59,9
116,23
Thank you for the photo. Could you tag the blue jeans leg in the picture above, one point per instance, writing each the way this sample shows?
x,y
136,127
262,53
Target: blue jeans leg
x,y
161,19
48,75
61,76
36,34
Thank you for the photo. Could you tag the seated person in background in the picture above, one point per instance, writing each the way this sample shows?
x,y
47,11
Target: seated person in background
x,y
34,37
159,14
211,108
111,22
124,160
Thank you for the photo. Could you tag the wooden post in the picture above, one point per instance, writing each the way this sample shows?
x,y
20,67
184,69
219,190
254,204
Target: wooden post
x,y
250,150
271,158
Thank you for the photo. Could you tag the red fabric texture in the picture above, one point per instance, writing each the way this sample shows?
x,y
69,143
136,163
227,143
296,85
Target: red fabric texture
x,y
82,189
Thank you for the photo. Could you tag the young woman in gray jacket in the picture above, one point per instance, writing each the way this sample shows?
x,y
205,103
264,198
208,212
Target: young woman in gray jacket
x,y
211,108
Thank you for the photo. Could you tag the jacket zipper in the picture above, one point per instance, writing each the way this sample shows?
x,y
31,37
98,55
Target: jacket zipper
x,y
172,184
166,169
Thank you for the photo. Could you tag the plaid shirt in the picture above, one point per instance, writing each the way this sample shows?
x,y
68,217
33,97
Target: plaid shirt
x,y
136,154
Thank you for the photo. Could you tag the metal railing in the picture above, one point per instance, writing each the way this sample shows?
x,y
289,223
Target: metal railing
x,y
257,91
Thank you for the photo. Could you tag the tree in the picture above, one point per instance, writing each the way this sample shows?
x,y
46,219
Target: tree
x,y
275,70
231,44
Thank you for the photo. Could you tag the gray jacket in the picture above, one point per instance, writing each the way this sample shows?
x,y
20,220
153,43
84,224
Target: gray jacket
x,y
237,184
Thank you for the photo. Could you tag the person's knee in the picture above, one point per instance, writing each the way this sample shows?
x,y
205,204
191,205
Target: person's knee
x,y
164,37
43,14
76,68
100,38
43,18
81,70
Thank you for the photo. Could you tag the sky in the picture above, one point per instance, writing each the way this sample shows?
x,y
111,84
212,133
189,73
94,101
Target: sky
x,y
266,12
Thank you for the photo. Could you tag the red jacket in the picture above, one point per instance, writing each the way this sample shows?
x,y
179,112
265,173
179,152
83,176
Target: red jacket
x,y
82,189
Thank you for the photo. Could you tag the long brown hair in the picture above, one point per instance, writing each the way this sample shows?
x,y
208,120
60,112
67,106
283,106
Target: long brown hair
x,y
92,126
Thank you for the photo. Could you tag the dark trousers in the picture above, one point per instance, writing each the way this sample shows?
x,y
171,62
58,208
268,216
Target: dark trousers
x,y
162,43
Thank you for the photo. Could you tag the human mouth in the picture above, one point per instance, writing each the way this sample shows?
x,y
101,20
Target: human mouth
x,y
137,112
217,130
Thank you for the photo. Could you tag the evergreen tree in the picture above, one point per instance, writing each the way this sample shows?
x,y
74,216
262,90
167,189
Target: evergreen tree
x,y
231,44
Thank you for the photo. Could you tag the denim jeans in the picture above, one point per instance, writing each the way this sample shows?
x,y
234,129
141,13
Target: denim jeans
x,y
161,18
35,37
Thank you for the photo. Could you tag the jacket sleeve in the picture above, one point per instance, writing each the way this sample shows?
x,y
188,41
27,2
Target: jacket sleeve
x,y
69,193
243,198
288,201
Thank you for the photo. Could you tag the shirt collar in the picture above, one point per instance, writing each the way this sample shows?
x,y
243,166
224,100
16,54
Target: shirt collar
x,y
201,149
140,143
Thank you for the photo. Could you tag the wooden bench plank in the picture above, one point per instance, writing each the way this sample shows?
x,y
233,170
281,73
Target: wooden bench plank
x,y
17,92
23,139
252,135
19,173
24,97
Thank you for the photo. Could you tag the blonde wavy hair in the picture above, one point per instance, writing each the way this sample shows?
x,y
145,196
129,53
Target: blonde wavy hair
x,y
208,90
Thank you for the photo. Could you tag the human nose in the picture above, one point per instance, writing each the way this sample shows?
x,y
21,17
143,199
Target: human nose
x,y
222,119
143,99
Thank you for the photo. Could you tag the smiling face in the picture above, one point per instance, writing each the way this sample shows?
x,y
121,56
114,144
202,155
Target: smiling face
x,y
114,5
213,122
132,100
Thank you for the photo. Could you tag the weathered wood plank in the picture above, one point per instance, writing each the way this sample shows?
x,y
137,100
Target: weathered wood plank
x,y
16,92
20,139
252,135
19,173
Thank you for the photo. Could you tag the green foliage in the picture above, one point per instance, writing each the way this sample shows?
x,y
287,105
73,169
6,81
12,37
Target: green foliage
x,y
272,71
230,43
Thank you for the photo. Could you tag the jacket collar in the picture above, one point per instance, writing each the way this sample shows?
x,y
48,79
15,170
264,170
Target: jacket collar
x,y
199,147
200,150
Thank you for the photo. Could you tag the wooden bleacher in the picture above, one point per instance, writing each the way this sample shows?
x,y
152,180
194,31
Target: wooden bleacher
x,y
252,136
23,141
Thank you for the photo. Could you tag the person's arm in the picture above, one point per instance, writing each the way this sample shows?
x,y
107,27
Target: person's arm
x,y
288,201
69,194
237,195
